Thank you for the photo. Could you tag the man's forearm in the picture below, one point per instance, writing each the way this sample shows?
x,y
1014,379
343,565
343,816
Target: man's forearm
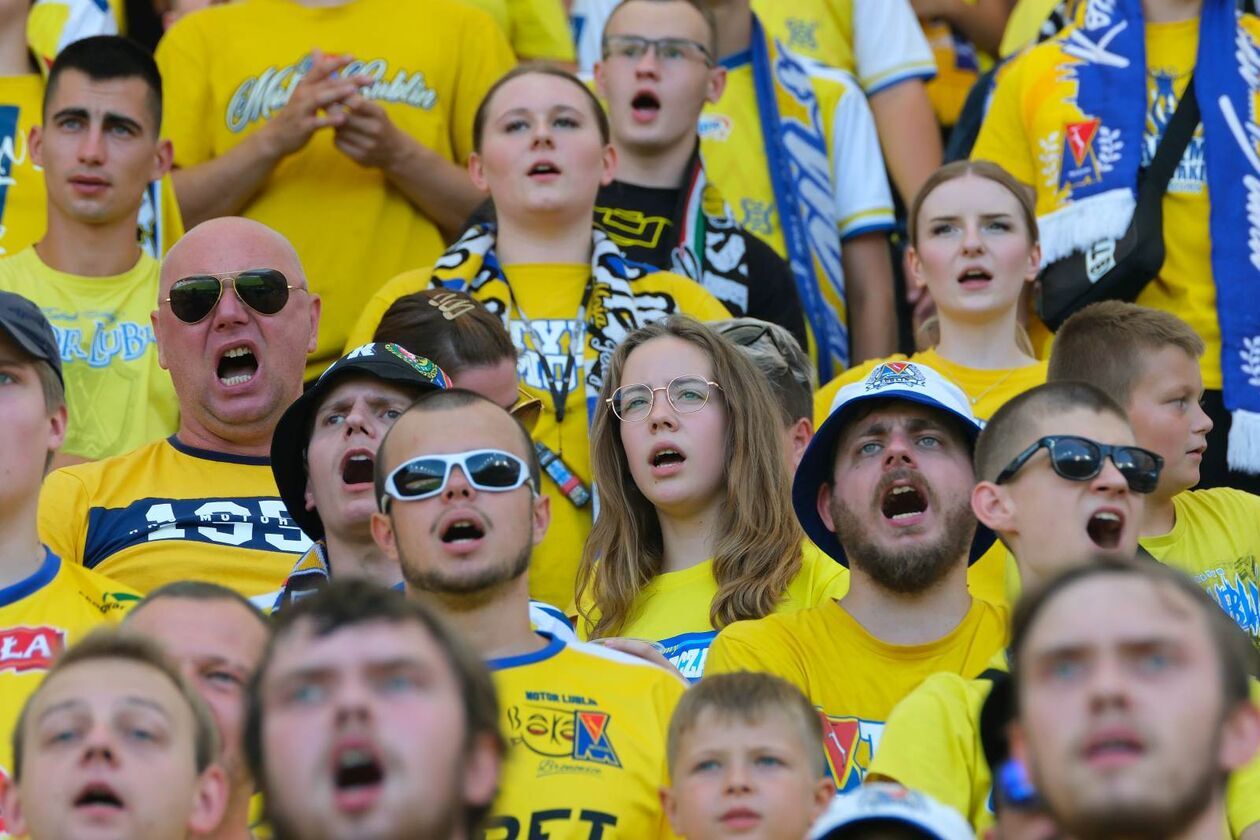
x,y
222,186
872,310
437,187
908,135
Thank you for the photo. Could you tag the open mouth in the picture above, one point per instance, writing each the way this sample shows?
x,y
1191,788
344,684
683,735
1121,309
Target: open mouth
x,y
98,795
1114,749
665,457
237,366
975,275
357,768
543,168
1105,528
902,502
645,104
462,530
358,469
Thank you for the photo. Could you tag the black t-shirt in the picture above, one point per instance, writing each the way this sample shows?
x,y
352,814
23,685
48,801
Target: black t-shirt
x,y
641,221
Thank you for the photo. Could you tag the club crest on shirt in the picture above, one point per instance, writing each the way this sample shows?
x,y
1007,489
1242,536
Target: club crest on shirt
x,y
850,745
802,34
560,731
895,373
30,648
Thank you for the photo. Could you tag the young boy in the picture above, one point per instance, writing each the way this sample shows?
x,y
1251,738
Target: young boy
x,y
744,760
1148,360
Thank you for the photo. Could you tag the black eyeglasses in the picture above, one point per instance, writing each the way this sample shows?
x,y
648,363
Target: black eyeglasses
x,y
264,290
490,470
668,50
1081,459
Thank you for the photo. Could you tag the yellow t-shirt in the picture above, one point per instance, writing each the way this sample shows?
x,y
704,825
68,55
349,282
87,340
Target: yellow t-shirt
x,y
117,394
586,730
1028,142
168,512
550,296
40,616
851,677
537,29
229,68
673,609
877,41
932,744
1216,540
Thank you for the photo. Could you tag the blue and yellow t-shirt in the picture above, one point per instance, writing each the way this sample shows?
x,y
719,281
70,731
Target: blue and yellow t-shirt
x,y
586,730
229,69
1216,540
851,677
40,616
169,512
23,196
118,396
550,295
673,609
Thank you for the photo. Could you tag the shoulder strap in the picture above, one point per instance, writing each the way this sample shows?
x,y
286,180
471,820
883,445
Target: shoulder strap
x,y
1173,145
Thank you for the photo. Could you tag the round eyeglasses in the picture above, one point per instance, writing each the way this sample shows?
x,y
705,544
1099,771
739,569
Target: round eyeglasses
x,y
687,394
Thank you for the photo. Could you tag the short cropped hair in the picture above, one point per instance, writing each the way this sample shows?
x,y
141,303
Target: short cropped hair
x,y
200,590
446,400
747,697
352,602
777,354
700,6
452,328
104,58
1106,344
1236,655
116,643
540,68
1009,429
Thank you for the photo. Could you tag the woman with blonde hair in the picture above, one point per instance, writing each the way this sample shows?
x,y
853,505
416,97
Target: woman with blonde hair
x,y
696,528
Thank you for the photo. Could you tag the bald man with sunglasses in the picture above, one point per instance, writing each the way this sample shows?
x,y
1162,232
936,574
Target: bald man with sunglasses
x,y
234,322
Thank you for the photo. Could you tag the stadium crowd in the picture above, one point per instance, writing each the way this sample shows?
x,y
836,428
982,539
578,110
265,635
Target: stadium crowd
x,y
623,419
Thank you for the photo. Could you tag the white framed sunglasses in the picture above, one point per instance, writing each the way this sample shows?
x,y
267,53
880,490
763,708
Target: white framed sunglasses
x,y
425,476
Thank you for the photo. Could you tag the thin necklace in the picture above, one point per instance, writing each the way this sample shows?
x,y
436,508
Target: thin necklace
x,y
976,399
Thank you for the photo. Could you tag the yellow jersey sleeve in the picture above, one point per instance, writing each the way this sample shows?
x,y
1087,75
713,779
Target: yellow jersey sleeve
x,y
931,743
407,283
40,616
1003,138
1242,795
755,646
63,515
540,30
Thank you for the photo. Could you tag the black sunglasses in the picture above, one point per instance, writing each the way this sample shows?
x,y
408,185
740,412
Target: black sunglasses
x,y
264,290
1081,459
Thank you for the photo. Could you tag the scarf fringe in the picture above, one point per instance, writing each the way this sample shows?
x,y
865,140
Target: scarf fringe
x,y
1077,226
1244,441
